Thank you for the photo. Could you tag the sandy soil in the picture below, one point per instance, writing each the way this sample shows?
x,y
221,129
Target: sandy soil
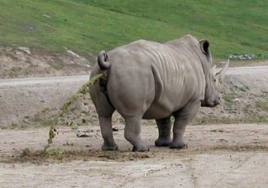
x,y
217,156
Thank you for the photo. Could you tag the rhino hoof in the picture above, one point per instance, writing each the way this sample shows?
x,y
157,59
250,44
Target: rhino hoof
x,y
140,149
178,146
162,142
109,148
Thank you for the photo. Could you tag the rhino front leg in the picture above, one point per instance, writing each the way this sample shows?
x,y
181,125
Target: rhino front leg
x,y
182,118
132,134
164,127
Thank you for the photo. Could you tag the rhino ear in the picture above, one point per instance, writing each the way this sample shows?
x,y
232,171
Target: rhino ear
x,y
204,44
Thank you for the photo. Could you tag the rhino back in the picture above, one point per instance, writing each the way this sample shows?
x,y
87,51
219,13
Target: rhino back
x,y
160,78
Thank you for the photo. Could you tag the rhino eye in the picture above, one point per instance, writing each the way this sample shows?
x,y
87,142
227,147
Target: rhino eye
x,y
214,80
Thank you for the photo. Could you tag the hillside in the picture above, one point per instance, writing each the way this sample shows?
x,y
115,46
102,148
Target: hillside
x,y
87,26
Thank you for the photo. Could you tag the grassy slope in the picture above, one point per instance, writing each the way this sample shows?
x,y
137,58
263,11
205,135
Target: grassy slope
x,y
91,25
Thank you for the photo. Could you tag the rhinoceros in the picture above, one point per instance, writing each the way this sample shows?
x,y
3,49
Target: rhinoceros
x,y
151,80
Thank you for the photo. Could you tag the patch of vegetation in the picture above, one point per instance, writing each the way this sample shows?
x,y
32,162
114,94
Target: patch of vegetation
x,y
61,155
262,107
66,106
82,91
88,26
229,98
229,101
262,104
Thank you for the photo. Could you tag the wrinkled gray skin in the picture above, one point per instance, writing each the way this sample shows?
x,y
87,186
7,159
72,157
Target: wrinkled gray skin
x,y
150,80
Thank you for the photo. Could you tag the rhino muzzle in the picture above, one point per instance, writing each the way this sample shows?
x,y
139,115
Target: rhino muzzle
x,y
211,103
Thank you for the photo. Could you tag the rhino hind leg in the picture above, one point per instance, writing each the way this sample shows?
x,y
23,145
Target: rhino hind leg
x,y
132,134
164,128
105,111
107,134
182,118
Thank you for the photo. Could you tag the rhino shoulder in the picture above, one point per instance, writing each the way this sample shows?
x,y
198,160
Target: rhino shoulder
x,y
144,43
187,40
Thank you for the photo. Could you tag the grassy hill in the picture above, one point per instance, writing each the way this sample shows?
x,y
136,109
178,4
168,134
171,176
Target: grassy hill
x,y
88,26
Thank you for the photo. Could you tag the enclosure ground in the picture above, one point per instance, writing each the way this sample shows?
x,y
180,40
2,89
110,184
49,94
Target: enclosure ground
x,y
217,156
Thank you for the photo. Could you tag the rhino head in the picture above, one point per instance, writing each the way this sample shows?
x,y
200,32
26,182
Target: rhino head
x,y
212,76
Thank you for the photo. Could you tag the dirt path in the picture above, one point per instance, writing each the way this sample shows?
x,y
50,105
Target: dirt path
x,y
32,82
247,70
217,156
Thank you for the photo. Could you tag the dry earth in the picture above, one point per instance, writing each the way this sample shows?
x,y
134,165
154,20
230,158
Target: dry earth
x,y
234,155
27,100
23,62
217,156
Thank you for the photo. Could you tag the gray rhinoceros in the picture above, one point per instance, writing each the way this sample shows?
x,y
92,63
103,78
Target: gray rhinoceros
x,y
151,80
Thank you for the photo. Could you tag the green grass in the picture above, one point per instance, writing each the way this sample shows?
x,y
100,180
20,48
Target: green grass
x,y
88,26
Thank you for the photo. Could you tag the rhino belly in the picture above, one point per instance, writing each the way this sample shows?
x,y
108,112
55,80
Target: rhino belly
x,y
167,103
156,112
159,110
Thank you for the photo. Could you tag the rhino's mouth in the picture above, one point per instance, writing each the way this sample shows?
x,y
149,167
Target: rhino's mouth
x,y
210,103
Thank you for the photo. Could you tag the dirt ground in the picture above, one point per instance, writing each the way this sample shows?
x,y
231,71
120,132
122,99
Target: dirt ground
x,y
24,62
217,156
44,96
233,155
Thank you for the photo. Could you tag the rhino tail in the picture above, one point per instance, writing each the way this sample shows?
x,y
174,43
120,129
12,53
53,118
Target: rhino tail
x,y
103,61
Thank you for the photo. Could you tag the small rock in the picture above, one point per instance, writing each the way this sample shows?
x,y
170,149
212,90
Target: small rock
x,y
25,50
73,53
46,15
236,100
223,140
82,134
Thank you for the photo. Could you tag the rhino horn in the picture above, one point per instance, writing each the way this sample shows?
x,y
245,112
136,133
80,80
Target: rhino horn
x,y
220,71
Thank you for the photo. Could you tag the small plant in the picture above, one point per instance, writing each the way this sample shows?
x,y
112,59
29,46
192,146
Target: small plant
x,y
51,135
85,89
